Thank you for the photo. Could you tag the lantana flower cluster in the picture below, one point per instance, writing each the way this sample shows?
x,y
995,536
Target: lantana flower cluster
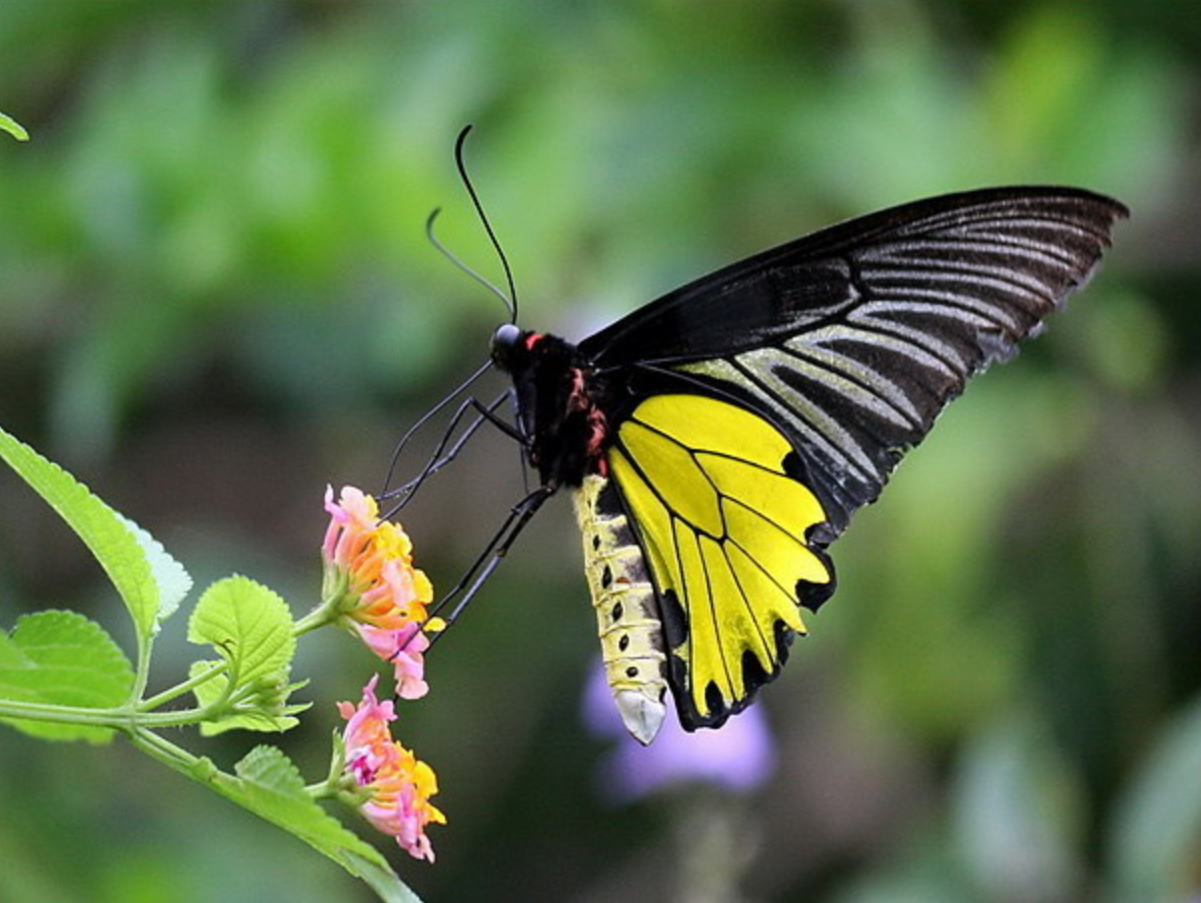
x,y
394,786
371,586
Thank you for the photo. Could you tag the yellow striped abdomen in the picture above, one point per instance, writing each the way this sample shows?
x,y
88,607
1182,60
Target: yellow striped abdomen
x,y
627,614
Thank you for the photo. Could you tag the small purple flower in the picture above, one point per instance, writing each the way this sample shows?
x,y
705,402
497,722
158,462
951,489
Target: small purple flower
x,y
739,757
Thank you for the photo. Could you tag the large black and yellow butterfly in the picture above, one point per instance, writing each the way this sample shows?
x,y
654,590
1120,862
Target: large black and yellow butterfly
x,y
718,439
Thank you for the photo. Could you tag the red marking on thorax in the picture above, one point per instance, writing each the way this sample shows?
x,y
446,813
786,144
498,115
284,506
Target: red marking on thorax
x,y
532,339
598,425
577,399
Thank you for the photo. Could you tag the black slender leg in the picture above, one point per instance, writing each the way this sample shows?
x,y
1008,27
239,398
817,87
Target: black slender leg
x,y
464,591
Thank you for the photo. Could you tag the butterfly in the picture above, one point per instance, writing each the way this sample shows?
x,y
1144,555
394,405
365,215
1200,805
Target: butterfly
x,y
718,439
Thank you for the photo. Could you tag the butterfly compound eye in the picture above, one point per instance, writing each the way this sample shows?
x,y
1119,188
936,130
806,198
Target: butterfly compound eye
x,y
505,342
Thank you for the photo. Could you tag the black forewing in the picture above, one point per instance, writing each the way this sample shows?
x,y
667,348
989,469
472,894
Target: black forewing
x,y
852,339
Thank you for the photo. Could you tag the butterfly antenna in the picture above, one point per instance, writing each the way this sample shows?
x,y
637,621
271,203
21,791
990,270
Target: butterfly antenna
x,y
479,209
460,265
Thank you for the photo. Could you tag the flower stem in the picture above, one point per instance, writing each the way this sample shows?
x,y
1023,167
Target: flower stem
x,y
318,617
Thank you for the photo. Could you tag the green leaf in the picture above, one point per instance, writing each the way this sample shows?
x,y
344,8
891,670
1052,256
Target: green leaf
x,y
62,658
380,877
250,627
115,541
14,128
269,785
173,582
1156,831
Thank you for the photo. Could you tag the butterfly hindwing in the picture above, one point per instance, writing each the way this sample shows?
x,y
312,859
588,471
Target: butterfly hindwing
x,y
723,524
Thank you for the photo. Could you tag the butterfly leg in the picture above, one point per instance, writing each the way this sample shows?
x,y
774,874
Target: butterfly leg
x,y
481,569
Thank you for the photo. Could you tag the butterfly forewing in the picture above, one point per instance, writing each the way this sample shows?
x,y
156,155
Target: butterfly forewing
x,y
1058,231
852,340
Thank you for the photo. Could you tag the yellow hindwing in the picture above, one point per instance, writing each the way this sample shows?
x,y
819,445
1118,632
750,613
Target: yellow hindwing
x,y
723,526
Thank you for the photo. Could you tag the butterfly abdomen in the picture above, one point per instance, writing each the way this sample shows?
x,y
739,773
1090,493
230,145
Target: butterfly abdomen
x,y
627,614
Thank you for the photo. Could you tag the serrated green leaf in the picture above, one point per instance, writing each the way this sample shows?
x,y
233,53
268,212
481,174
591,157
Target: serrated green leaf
x,y
102,530
14,128
249,626
10,655
387,886
272,786
173,581
63,658
269,785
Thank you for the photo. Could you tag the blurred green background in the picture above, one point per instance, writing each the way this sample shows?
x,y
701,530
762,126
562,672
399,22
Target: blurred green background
x,y
215,297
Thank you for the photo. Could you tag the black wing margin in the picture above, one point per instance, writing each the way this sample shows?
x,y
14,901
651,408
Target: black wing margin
x,y
853,338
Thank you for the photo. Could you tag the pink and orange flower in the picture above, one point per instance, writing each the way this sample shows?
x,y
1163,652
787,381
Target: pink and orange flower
x,y
393,787
405,650
372,585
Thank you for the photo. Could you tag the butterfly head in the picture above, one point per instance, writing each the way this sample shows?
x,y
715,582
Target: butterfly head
x,y
508,346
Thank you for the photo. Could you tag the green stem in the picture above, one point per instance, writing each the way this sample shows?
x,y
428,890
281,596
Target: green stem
x,y
124,719
165,751
141,674
117,718
199,768
174,718
180,689
318,617
321,790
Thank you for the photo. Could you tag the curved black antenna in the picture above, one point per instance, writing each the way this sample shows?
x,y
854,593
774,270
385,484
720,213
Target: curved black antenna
x,y
425,418
461,266
510,301
479,209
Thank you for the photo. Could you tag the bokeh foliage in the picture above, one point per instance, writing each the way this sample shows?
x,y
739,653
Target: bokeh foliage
x,y
215,297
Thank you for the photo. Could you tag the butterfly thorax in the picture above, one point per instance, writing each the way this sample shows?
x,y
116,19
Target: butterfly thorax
x,y
558,405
